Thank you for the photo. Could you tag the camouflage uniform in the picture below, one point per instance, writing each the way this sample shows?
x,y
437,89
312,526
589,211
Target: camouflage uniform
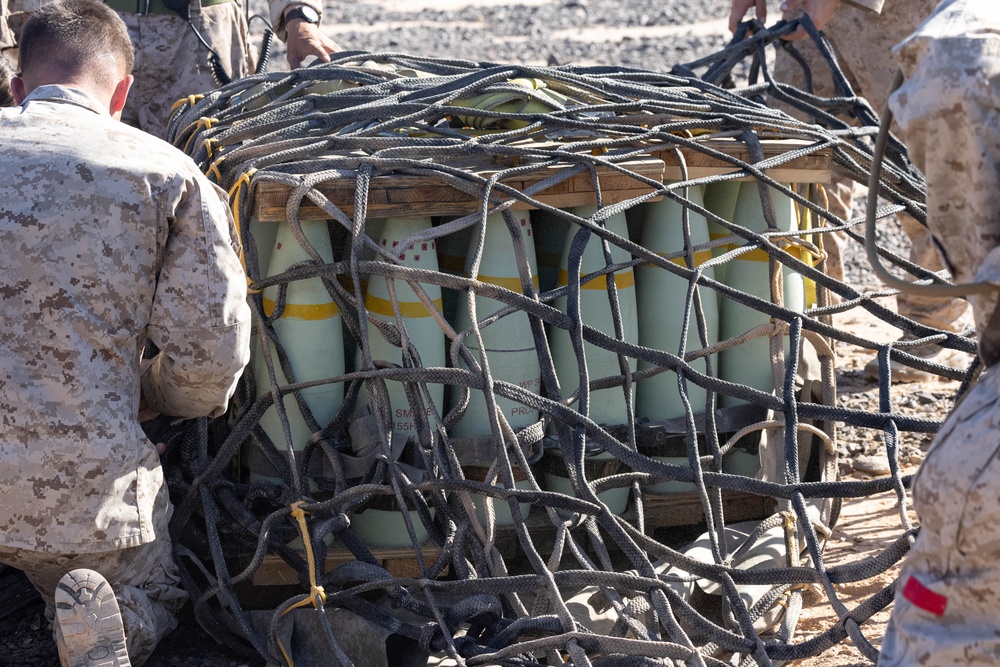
x,y
171,64
170,61
948,597
15,14
112,237
863,41
6,37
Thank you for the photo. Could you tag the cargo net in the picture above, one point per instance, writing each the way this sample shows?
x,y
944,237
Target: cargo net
x,y
542,368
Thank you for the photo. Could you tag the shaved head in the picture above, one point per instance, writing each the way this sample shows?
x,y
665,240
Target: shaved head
x,y
75,41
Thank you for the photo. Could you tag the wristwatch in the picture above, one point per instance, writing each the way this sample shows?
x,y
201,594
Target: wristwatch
x,y
304,12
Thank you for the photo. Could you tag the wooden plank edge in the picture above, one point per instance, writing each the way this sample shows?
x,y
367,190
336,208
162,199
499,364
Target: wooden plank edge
x,y
673,510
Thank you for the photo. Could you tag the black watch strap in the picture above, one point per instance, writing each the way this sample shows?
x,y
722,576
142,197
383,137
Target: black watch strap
x,y
304,12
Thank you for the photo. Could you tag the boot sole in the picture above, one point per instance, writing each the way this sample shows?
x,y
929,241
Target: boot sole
x,y
90,621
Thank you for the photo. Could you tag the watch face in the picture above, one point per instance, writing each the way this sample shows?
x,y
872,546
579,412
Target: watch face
x,y
306,13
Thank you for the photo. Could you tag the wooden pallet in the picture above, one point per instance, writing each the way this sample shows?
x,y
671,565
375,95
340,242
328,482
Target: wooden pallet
x,y
661,511
430,194
814,167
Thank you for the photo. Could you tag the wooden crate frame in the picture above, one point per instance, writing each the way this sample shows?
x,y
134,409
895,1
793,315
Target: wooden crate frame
x,y
661,511
410,194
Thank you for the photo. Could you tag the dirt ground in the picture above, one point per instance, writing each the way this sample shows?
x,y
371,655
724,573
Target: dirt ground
x,y
867,526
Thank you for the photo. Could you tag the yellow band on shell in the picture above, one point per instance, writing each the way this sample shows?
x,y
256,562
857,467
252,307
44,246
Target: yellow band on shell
x,y
411,309
303,311
623,280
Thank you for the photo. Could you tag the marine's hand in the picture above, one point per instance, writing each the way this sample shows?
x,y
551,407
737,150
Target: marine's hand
x,y
819,11
305,39
146,413
739,9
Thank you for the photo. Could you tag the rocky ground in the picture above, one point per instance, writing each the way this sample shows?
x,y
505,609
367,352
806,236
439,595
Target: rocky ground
x,y
650,34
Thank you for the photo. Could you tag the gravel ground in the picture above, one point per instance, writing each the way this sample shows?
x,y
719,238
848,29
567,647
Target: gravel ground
x,y
650,34
863,449
25,641
537,34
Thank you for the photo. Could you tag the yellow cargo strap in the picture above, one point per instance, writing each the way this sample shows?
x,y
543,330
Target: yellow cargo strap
x,y
316,592
234,204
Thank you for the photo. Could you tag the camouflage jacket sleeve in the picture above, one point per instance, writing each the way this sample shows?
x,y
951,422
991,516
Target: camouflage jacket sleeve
x,y
278,8
949,111
200,319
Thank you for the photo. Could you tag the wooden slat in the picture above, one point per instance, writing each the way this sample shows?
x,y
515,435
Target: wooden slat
x,y
411,194
780,175
430,195
661,511
812,168
399,561
685,509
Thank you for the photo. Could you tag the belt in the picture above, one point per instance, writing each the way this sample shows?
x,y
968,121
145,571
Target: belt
x,y
152,7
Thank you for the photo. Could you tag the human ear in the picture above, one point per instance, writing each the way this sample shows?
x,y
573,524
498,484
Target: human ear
x,y
119,97
17,89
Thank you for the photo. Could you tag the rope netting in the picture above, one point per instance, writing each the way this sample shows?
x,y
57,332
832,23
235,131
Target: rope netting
x,y
512,331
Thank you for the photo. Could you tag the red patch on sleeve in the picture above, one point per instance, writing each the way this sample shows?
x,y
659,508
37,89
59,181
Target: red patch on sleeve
x,y
923,597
